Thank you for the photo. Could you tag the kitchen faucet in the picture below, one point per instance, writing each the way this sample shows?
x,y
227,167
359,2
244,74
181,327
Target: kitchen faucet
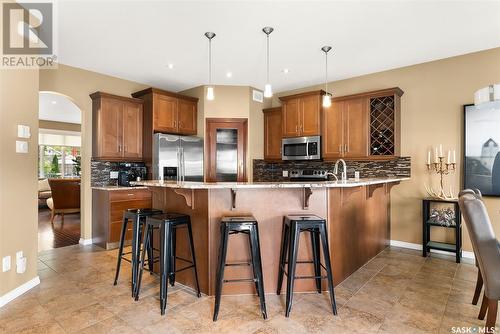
x,y
336,170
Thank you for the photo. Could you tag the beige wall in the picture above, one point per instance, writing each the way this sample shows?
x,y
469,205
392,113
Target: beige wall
x,y
18,175
431,114
53,125
233,102
77,84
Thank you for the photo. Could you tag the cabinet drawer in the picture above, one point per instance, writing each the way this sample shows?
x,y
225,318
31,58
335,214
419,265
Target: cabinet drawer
x,y
117,208
132,194
115,229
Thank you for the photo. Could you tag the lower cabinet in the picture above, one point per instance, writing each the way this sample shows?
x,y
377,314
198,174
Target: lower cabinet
x,y
359,227
107,213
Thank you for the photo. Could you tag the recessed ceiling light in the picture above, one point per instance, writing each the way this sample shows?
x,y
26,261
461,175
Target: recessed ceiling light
x,y
54,102
229,74
170,66
286,70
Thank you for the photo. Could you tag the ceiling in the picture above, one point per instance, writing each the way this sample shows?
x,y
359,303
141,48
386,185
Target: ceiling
x,y
58,108
136,40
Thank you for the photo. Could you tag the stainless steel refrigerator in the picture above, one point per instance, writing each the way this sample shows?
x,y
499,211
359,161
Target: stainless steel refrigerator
x,y
178,158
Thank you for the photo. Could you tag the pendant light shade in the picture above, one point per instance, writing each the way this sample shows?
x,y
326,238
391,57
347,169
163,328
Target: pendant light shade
x,y
327,98
268,91
487,94
210,89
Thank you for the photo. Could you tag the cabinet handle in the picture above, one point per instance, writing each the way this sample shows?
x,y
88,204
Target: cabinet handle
x,y
346,148
130,194
340,149
119,148
296,129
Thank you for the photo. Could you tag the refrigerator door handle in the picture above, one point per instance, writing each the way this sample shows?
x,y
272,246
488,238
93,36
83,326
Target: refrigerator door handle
x,y
183,161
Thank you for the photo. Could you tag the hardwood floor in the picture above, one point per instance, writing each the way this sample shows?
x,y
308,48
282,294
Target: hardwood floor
x,y
61,235
398,291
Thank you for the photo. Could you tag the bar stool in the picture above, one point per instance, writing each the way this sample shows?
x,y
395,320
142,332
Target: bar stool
x,y
292,226
235,225
138,217
168,223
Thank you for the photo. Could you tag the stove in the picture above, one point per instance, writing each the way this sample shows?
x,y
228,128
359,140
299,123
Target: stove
x,y
308,175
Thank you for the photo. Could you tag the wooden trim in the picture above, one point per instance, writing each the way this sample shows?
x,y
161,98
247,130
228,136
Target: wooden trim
x,y
97,95
188,195
228,123
271,109
163,92
294,96
382,92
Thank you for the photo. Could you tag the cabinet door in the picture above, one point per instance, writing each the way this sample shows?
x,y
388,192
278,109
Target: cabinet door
x,y
310,113
165,113
333,130
272,134
355,128
291,118
110,128
187,117
132,130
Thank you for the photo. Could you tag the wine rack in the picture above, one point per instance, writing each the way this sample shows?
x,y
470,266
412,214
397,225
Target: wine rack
x,y
382,125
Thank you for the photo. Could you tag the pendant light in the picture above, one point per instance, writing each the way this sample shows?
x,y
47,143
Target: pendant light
x,y
327,98
268,92
487,94
210,89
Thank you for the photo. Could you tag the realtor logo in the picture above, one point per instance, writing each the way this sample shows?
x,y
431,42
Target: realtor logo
x,y
27,28
28,34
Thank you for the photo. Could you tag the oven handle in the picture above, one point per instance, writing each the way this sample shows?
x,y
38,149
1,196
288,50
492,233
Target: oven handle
x,y
307,149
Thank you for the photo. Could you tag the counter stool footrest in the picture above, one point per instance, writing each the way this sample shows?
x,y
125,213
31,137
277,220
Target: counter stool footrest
x,y
238,264
182,269
309,277
239,280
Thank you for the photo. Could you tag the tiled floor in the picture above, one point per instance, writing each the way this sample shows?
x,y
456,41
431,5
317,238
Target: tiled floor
x,y
397,292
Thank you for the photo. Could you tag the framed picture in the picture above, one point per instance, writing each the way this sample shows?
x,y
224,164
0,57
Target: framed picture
x,y
482,148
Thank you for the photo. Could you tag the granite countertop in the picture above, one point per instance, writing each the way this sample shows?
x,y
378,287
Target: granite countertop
x,y
115,188
268,185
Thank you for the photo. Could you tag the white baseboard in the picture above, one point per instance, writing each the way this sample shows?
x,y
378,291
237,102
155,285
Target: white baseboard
x,y
409,245
13,294
85,242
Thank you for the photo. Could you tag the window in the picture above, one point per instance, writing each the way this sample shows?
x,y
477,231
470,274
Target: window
x,y
58,161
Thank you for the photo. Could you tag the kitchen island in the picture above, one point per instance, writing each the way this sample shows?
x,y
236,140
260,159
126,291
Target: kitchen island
x,y
357,213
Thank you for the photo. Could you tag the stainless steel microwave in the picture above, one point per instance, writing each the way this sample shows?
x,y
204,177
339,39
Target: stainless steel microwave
x,y
301,148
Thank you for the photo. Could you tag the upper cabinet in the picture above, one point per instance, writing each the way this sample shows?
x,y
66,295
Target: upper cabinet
x,y
169,112
301,114
364,125
117,127
272,133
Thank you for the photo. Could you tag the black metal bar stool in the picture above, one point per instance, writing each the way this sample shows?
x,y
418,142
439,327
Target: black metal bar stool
x,y
235,225
292,226
168,223
138,218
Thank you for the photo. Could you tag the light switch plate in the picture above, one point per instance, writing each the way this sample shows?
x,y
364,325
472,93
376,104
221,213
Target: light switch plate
x,y
23,131
113,175
6,263
21,146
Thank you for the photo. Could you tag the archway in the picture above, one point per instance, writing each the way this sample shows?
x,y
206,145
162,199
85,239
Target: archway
x,y
59,171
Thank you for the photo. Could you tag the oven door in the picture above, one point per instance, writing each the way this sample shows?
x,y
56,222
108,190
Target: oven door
x,y
301,148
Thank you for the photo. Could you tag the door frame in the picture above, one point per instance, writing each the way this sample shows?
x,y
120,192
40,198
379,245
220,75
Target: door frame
x,y
241,124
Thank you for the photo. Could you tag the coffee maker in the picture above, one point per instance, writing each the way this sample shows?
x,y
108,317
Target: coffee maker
x,y
130,171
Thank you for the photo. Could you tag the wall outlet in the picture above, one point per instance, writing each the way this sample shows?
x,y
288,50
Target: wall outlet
x,y
6,263
21,262
285,173
113,175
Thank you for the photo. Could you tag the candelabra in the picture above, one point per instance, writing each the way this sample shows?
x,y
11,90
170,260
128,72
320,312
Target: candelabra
x,y
441,168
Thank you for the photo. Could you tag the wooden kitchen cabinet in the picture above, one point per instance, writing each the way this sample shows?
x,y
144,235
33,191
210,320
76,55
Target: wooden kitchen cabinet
x,y
362,126
117,127
169,112
107,213
301,114
272,133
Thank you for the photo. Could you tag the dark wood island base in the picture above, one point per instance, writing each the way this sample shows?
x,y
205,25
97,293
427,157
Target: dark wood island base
x,y
358,220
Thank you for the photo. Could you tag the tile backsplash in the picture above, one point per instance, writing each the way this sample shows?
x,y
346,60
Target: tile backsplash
x,y
265,171
100,172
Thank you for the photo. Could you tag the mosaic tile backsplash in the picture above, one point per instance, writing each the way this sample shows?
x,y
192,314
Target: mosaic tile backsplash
x,y
265,171
99,172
